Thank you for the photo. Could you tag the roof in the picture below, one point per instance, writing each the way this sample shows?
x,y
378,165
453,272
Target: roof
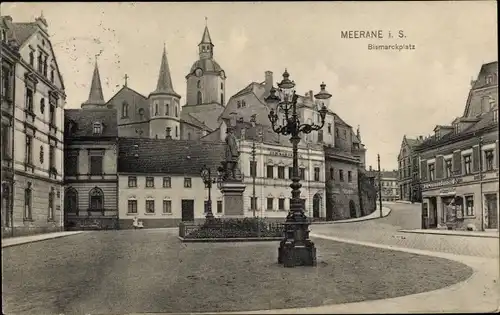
x,y
136,101
20,32
412,142
383,174
79,122
486,69
166,156
164,84
95,94
190,119
206,37
338,120
207,65
207,114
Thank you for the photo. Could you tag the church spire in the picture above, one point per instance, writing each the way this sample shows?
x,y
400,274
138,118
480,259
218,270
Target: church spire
x,y
96,98
164,85
206,47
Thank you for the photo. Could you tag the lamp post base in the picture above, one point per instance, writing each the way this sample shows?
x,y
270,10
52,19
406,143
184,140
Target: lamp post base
x,y
297,249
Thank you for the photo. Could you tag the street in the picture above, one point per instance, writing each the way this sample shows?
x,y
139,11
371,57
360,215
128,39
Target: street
x,y
151,271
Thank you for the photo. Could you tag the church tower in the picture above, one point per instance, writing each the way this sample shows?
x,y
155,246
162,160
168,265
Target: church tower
x,y
96,98
164,105
206,81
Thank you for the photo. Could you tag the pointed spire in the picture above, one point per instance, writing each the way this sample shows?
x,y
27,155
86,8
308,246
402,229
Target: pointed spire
x,y
96,97
164,84
206,36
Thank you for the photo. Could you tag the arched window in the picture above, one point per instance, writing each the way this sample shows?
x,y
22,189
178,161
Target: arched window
x,y
42,105
176,131
199,101
176,111
167,109
198,84
156,109
71,200
332,173
27,202
50,214
124,110
222,86
222,98
141,113
32,58
96,199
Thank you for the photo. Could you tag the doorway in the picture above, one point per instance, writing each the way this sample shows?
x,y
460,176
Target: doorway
x,y
433,221
492,210
316,205
352,209
187,210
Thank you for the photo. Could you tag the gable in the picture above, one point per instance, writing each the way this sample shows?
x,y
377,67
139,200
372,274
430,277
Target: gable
x,y
135,102
253,105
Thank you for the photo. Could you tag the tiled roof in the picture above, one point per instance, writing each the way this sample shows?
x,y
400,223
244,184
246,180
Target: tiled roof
x,y
18,31
486,69
339,120
83,120
165,156
188,118
412,142
208,117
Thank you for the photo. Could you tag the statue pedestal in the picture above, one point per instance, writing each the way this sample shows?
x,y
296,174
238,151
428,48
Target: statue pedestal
x,y
232,192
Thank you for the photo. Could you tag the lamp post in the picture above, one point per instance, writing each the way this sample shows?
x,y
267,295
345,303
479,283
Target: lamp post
x,y
481,181
379,186
208,180
296,248
253,171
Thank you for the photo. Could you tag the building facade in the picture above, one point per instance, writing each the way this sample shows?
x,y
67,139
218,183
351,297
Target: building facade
x,y
459,164
33,100
388,181
90,162
408,167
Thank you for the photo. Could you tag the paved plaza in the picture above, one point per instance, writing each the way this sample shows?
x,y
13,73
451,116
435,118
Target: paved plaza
x,y
151,271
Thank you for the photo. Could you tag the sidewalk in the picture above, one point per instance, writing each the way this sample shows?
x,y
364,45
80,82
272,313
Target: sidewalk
x,y
490,234
374,215
13,241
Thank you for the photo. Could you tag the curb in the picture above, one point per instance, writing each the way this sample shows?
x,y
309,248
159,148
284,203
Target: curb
x,y
41,239
449,234
235,239
367,219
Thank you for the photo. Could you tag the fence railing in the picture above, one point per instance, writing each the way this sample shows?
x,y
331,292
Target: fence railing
x,y
231,230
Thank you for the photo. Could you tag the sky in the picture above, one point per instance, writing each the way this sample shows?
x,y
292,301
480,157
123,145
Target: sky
x,y
387,93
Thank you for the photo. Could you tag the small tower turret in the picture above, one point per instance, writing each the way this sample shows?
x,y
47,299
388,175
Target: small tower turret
x,y
96,98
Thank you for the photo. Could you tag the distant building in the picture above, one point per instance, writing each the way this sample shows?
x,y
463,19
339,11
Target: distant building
x,y
408,167
388,180
33,98
160,181
90,177
459,164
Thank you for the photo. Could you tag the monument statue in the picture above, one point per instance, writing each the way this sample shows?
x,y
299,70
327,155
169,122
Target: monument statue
x,y
232,154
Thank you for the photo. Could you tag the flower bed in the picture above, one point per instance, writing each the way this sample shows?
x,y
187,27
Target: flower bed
x,y
232,228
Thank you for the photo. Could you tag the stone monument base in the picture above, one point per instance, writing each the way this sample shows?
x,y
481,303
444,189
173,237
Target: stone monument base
x,y
232,192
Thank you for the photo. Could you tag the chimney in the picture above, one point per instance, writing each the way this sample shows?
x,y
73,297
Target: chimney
x,y
167,133
268,83
370,169
420,138
311,97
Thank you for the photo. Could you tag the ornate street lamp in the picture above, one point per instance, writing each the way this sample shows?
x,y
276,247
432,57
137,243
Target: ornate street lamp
x,y
296,249
208,180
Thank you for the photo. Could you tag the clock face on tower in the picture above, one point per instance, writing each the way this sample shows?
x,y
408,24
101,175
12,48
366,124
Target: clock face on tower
x,y
198,72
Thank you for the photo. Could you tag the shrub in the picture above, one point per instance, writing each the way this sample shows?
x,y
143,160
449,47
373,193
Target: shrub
x,y
237,228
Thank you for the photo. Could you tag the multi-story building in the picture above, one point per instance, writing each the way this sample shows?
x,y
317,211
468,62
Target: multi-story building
x,y
388,181
408,170
33,99
160,181
459,164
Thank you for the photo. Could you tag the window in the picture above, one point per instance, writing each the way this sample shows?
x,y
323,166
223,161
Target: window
x,y
329,129
176,111
345,134
52,157
96,164
253,168
132,206
467,164
167,109
32,58
243,103
253,203
270,203
431,172
206,206
96,199
332,173
71,201
316,174
281,172
448,168
281,204
52,75
40,62
199,98
42,105
270,171
167,182
469,205
222,98
489,79
341,175
150,206
141,113
45,66
488,159
238,104
302,173
336,132
150,182
219,206
29,99
156,109
349,176
29,150
6,86
198,84
52,118
222,86
132,181
167,206
176,131
5,142
71,163
50,214
27,202
97,128
187,182
290,172
495,115
320,135
124,110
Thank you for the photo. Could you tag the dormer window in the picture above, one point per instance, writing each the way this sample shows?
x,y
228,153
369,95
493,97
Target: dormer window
x,y
97,128
489,79
456,127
